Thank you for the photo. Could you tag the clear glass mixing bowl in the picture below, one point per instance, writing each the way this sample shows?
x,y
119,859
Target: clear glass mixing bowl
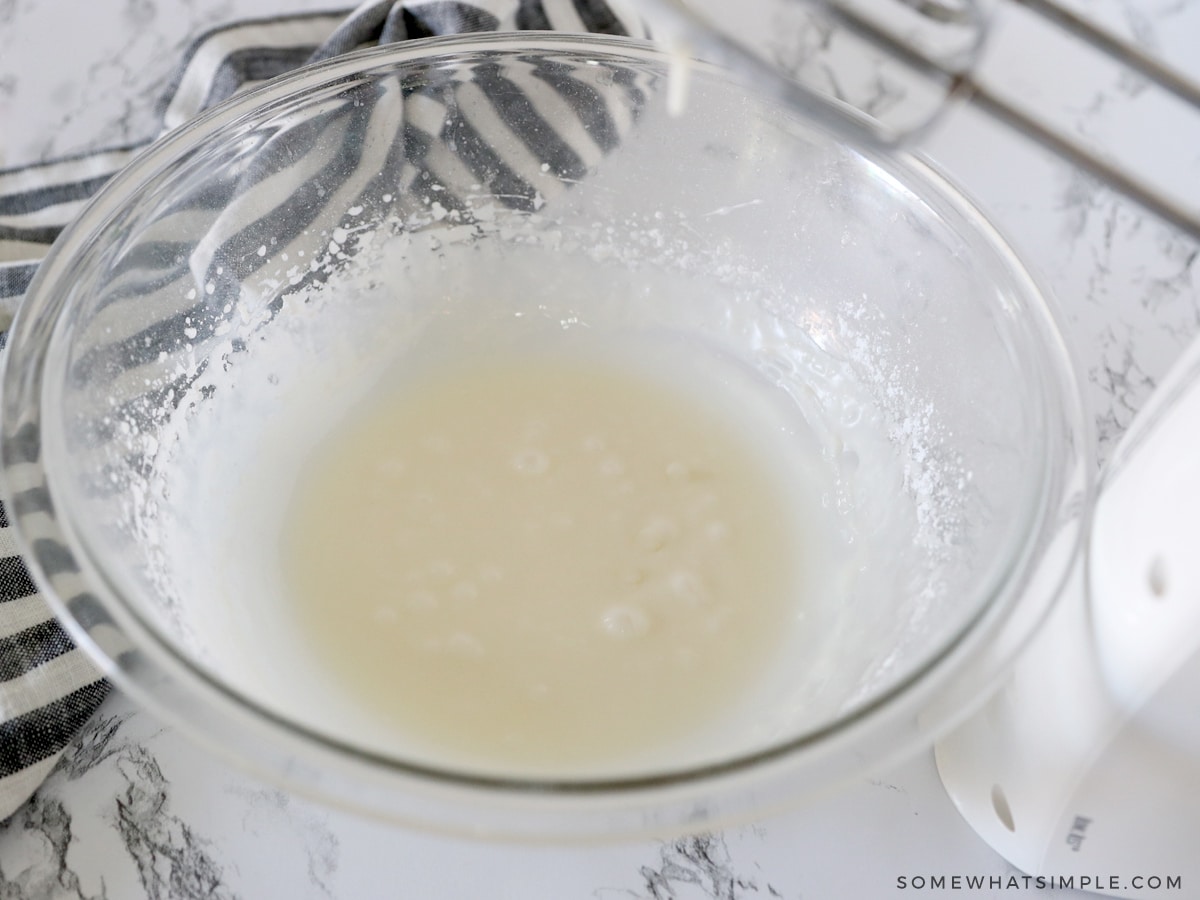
x,y
251,273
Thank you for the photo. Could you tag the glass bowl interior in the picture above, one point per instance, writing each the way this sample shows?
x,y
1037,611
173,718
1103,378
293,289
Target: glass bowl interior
x,y
228,302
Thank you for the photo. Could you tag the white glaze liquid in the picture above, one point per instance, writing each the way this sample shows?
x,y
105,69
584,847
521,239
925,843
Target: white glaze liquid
x,y
538,564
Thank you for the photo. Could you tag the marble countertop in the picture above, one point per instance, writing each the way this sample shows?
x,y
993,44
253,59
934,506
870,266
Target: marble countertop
x,y
135,810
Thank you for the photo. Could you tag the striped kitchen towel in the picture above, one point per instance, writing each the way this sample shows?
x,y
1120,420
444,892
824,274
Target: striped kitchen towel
x,y
49,688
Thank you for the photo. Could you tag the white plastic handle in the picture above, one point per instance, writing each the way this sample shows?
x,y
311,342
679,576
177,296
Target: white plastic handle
x,y
1144,579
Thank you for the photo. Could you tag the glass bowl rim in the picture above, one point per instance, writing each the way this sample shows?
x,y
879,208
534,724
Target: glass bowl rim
x,y
144,679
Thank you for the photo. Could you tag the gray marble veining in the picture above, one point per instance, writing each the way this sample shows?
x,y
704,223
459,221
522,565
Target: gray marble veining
x,y
700,862
169,857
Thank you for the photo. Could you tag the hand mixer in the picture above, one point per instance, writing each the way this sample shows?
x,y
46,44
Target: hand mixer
x,y
1087,760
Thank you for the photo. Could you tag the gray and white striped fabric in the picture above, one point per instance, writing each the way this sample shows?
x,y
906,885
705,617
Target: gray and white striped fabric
x,y
49,688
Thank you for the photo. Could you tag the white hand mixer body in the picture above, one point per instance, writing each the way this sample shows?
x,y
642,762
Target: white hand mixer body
x,y
1086,764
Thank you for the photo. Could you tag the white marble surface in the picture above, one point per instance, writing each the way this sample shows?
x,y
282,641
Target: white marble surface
x,y
136,811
